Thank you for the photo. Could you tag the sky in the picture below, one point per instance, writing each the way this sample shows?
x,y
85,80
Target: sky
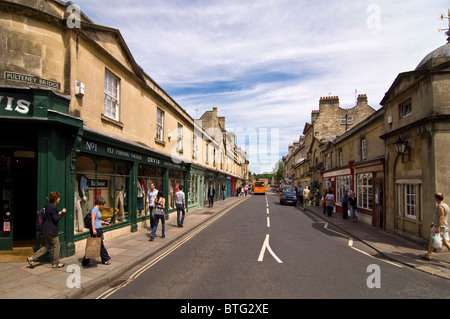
x,y
265,63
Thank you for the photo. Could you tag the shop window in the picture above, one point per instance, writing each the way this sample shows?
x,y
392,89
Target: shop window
x,y
147,175
364,191
193,189
344,183
105,179
84,195
176,178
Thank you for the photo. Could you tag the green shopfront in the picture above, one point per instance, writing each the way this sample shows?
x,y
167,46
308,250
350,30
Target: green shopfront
x,y
44,149
36,157
121,172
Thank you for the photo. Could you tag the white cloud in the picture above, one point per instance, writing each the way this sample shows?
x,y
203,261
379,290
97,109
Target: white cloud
x,y
266,63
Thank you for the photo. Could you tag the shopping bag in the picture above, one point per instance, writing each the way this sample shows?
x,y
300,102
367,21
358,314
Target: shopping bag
x,y
93,245
437,241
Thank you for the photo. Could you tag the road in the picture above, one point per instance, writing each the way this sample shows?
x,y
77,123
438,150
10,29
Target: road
x,y
263,250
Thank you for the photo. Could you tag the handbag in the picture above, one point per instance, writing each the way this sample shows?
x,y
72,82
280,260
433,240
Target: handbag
x,y
93,246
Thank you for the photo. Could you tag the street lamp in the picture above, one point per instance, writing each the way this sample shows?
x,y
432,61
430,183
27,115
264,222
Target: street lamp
x,y
400,146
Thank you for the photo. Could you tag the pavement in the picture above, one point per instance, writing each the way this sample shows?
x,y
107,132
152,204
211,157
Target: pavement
x,y
391,246
19,281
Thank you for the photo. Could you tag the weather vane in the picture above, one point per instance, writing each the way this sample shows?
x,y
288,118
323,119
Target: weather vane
x,y
442,17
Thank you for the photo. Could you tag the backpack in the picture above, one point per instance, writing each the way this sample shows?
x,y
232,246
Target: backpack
x,y
40,219
88,220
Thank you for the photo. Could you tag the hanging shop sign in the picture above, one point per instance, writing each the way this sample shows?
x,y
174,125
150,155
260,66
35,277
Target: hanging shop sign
x,y
31,79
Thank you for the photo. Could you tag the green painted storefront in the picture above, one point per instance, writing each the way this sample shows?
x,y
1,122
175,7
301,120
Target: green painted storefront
x,y
44,149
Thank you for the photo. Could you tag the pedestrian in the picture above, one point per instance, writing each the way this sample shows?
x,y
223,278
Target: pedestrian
x,y
211,194
160,204
324,202
345,205
353,205
439,225
50,232
96,231
224,189
306,195
300,195
152,193
330,202
180,201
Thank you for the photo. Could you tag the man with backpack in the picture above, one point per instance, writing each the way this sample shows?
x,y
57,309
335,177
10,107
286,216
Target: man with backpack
x,y
50,218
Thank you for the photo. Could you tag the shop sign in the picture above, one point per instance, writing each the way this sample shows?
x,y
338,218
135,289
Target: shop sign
x,y
15,105
94,147
98,183
32,80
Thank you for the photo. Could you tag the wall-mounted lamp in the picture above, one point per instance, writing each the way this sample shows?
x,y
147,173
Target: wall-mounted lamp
x,y
400,146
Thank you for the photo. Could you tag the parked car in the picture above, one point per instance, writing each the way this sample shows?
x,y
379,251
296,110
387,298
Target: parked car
x,y
288,195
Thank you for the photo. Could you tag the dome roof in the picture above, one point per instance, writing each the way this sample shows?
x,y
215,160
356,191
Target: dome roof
x,y
441,52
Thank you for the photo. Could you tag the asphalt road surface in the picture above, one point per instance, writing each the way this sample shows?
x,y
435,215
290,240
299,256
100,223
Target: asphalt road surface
x,y
263,250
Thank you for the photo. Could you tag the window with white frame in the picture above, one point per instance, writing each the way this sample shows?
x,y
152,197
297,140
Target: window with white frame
x,y
410,193
180,138
207,154
343,183
341,158
346,120
194,147
111,101
405,109
409,200
364,191
159,124
363,149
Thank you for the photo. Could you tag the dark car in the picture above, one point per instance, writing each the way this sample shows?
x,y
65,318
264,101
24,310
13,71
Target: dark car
x,y
288,195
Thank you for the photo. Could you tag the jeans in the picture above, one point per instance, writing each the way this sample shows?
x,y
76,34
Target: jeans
x,y
152,216
329,210
180,207
155,226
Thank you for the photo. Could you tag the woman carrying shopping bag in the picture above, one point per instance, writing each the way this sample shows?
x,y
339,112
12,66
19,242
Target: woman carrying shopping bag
x,y
96,231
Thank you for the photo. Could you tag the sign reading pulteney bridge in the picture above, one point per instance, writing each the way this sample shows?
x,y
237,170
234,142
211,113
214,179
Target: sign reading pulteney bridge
x,y
31,79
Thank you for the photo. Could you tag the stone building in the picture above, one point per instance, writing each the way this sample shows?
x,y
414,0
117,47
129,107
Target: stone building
x,y
305,162
394,159
417,141
354,162
80,116
231,159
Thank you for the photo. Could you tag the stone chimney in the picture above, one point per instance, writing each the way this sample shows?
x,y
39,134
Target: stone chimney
x,y
314,115
221,120
362,100
329,102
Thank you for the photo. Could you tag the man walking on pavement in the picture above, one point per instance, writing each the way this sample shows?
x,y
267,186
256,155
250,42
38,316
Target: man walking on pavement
x,y
306,194
180,201
439,225
152,193
211,194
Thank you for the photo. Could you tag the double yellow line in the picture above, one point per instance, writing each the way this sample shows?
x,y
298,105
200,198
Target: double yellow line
x,y
153,262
